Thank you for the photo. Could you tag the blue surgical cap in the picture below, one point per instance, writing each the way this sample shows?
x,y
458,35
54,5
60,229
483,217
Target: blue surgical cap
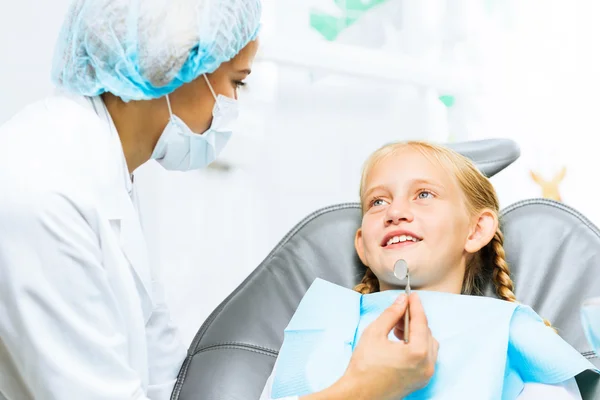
x,y
145,49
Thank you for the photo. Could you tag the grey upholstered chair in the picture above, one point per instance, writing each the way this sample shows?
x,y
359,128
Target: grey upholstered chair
x,y
553,250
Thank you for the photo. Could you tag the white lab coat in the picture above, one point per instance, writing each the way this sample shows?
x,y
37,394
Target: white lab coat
x,y
82,314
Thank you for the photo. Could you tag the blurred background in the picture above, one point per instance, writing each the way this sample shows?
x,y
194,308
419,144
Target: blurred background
x,y
335,80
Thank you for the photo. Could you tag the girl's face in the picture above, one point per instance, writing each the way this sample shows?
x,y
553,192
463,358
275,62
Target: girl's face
x,y
414,209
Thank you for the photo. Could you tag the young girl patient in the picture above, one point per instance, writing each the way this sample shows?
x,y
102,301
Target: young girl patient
x,y
432,207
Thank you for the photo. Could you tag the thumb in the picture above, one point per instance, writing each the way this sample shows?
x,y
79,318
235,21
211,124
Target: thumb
x,y
390,317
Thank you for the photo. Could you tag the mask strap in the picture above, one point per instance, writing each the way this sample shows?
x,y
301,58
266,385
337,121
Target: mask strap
x,y
169,105
210,87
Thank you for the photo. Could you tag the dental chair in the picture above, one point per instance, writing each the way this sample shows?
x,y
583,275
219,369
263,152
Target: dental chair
x,y
553,251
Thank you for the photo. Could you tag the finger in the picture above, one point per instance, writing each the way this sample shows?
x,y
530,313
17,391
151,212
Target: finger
x,y
399,332
400,324
399,328
389,317
436,348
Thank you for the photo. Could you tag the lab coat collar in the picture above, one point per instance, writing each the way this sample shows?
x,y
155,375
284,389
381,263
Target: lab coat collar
x,y
101,110
115,196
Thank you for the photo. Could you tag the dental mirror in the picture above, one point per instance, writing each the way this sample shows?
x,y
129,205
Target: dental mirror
x,y
401,270
401,273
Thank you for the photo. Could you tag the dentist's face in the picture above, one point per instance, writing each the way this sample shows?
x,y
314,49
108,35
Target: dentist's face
x,y
414,209
194,102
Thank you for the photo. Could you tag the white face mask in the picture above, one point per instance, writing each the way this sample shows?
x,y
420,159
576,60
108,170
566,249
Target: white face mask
x,y
180,149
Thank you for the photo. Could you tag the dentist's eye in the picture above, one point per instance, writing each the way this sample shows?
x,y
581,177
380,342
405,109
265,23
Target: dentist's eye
x,y
425,194
239,84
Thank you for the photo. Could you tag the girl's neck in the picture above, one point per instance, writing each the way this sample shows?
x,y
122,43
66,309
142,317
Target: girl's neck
x,y
445,287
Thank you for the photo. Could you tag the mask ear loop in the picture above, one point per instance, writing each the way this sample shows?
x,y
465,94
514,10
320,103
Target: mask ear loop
x,y
211,89
169,105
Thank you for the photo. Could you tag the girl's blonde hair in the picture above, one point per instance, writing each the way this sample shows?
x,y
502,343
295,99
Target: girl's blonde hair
x,y
490,262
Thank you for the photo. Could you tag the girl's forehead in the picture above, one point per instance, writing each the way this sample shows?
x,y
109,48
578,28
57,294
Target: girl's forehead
x,y
410,164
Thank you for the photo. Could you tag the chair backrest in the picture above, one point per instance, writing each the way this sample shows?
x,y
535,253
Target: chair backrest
x,y
554,254
553,250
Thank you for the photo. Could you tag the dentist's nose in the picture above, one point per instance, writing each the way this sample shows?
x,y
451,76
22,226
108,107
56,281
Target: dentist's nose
x,y
397,212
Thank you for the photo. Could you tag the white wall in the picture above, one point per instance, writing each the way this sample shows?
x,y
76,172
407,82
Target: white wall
x,y
28,32
306,135
546,100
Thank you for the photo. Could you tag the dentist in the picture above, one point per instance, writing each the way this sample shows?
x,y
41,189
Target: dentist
x,y
82,314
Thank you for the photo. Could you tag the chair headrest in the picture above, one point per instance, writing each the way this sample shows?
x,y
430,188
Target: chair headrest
x,y
489,155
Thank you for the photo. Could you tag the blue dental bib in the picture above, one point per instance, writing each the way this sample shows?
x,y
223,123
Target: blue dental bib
x,y
488,347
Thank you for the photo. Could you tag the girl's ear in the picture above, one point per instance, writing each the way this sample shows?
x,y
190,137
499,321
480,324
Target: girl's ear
x,y
359,246
483,230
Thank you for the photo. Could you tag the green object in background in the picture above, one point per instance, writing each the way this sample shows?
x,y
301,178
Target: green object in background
x,y
448,100
330,26
358,5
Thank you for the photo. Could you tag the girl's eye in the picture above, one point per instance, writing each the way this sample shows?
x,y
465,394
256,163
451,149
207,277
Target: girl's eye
x,y
377,202
239,84
425,195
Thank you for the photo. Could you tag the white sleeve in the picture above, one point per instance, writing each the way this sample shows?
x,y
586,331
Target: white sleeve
x,y
266,394
166,351
567,390
60,323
